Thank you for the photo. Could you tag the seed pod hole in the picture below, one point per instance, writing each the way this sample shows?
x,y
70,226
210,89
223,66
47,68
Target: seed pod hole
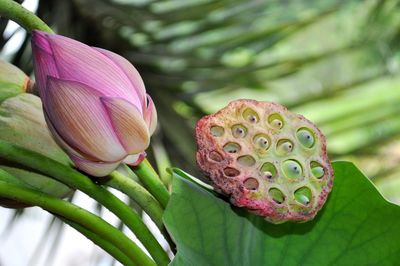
x,y
276,195
292,169
262,142
246,160
284,146
251,183
232,147
215,156
317,170
231,172
275,121
303,195
305,137
239,131
268,170
217,131
250,115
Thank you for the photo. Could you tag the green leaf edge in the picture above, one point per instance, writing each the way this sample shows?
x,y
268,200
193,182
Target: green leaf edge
x,y
182,178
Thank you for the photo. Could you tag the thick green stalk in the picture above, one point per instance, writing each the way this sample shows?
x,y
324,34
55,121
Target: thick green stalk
x,y
162,161
101,242
150,179
79,216
138,194
22,16
76,180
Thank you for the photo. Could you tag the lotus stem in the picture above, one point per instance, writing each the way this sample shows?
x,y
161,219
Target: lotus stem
x,y
76,180
22,16
138,194
150,179
79,216
101,242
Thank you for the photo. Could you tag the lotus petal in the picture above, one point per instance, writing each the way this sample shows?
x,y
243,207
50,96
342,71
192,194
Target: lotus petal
x,y
94,168
131,72
79,62
44,64
128,123
150,115
67,106
135,159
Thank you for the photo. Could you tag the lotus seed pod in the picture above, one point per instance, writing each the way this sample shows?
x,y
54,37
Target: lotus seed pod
x,y
22,123
266,159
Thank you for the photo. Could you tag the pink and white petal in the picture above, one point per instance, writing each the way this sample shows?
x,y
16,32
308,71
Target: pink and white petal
x,y
135,159
150,115
128,123
98,169
130,71
76,112
44,66
58,139
40,40
79,62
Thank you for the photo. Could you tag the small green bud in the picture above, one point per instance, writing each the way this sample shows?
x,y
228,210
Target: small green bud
x,y
12,81
22,123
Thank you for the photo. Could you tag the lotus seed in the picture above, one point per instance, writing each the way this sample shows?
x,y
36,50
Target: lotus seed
x,y
276,195
261,141
317,170
250,116
251,183
284,147
232,147
268,170
292,169
239,131
305,137
303,195
276,121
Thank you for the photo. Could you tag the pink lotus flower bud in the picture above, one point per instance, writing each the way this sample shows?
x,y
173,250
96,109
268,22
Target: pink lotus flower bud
x,y
94,101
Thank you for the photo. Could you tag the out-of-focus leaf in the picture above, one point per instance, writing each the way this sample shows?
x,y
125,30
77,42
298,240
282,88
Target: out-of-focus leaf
x,y
357,226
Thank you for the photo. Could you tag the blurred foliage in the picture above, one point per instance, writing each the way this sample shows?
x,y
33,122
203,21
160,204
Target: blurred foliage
x,y
336,62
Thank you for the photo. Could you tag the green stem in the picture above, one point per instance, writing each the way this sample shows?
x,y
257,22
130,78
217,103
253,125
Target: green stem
x,y
138,194
76,180
150,179
79,216
101,242
162,161
22,16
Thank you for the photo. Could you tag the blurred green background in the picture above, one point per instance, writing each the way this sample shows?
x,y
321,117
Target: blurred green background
x,y
335,62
